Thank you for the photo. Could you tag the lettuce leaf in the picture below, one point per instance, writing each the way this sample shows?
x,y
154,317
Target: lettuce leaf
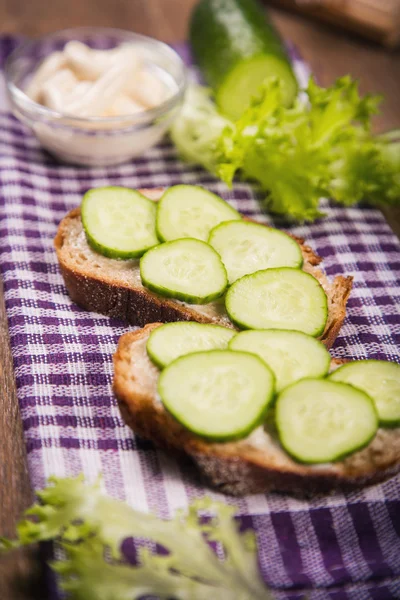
x,y
198,127
320,147
91,527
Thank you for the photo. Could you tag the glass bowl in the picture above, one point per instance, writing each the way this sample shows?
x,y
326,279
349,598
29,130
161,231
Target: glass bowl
x,y
96,141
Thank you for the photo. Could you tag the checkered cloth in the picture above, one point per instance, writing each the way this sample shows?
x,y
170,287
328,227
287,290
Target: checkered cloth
x,y
337,547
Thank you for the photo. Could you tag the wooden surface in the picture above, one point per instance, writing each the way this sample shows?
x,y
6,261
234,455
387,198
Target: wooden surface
x,y
330,54
19,571
378,20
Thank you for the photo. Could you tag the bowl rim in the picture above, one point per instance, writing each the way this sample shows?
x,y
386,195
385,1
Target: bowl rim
x,y
16,93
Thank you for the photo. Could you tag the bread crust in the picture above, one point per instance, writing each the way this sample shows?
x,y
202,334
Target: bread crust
x,y
255,464
104,291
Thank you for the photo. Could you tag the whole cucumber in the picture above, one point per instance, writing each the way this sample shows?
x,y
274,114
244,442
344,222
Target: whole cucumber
x,y
237,48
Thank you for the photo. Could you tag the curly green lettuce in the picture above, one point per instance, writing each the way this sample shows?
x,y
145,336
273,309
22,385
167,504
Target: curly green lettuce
x,y
90,527
197,129
320,147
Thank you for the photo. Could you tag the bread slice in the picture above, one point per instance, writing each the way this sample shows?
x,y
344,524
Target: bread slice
x,y
113,287
254,464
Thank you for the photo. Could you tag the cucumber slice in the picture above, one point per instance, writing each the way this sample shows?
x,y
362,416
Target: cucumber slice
x,y
380,380
249,247
237,48
220,395
191,211
172,340
244,81
282,298
119,222
189,270
291,355
321,421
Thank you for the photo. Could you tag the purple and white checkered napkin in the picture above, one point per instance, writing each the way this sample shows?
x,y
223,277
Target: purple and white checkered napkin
x,y
346,545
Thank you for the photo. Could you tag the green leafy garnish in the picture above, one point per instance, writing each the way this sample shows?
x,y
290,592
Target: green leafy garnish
x,y
196,131
321,147
90,527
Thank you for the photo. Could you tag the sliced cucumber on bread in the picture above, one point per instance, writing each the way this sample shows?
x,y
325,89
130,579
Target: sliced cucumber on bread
x,y
220,395
119,222
282,298
187,269
291,355
247,247
172,340
321,421
317,436
380,380
91,237
191,211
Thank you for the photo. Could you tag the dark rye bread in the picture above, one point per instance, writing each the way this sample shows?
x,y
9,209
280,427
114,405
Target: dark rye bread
x,y
252,465
113,287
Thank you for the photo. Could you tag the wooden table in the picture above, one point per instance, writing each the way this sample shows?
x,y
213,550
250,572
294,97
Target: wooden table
x,y
330,54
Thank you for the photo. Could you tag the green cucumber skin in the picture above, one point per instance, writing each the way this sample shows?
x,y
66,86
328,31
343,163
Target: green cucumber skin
x,y
244,326
186,187
188,298
285,332
179,295
240,435
154,360
337,458
160,364
385,423
115,254
103,250
223,33
245,431
251,225
214,30
231,438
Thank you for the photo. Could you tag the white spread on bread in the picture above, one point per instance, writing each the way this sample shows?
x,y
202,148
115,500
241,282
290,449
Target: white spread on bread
x,y
145,368
129,272
261,438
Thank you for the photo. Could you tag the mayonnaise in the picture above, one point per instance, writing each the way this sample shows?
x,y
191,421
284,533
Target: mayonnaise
x,y
56,87
83,82
49,66
116,87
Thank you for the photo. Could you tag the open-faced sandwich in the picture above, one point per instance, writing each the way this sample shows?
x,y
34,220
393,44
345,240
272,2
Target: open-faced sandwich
x,y
194,247
245,386
260,410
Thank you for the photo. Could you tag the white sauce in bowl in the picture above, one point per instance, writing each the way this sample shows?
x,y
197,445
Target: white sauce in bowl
x,y
83,82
